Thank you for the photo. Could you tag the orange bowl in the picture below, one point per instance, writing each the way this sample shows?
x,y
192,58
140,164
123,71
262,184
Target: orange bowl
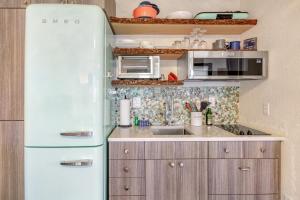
x,y
144,12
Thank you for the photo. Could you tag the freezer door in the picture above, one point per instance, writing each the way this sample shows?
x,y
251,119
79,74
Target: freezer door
x,y
64,173
64,75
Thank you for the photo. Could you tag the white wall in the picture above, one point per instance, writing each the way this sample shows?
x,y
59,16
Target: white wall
x,y
125,7
278,31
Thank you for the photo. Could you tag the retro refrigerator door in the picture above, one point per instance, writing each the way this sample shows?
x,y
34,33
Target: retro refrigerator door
x,y
64,70
64,173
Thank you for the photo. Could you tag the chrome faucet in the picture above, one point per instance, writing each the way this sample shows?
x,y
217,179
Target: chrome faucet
x,y
169,110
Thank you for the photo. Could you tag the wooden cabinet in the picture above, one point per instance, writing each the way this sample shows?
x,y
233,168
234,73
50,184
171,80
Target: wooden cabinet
x,y
126,150
244,197
172,150
161,180
259,149
226,150
175,170
126,187
176,180
130,198
126,168
194,170
243,176
126,171
12,24
11,154
262,149
12,4
191,179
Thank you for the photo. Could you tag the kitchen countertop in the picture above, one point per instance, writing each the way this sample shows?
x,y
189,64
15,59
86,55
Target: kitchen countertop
x,y
203,133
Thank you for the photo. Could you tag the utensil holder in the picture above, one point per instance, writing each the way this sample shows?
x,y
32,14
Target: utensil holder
x,y
196,118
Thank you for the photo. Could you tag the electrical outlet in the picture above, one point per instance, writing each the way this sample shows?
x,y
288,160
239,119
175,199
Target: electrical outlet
x,y
266,109
212,101
136,102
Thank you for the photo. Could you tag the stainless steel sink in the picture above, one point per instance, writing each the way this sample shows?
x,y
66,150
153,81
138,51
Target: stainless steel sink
x,y
169,131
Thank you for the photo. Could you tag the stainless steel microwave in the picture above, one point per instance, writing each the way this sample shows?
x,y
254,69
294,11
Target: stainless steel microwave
x,y
223,65
138,67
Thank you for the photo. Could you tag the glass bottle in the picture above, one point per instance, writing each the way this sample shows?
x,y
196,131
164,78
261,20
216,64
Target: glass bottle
x,y
209,117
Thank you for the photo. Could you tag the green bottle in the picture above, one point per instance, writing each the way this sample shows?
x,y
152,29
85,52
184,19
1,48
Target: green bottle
x,y
209,117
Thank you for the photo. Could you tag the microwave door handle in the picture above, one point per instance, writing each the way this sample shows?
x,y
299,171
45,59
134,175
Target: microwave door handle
x,y
151,65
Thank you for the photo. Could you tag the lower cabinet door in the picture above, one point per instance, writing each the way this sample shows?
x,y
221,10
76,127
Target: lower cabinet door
x,y
160,180
192,179
64,173
244,197
243,176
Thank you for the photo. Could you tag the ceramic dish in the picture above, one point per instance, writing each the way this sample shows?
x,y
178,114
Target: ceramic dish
x,y
180,15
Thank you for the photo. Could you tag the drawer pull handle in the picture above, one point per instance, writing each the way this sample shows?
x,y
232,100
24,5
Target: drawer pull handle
x,y
126,188
244,169
77,163
126,169
77,134
263,150
226,150
126,151
171,164
181,164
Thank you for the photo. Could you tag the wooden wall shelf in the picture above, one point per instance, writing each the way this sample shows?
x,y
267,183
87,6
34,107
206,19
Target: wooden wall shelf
x,y
165,54
131,26
145,83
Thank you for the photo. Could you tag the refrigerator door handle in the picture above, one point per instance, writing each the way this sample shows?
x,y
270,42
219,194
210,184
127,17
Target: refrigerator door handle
x,y
77,163
78,134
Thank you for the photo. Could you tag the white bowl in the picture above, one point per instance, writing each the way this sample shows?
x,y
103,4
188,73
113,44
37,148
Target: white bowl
x,y
180,15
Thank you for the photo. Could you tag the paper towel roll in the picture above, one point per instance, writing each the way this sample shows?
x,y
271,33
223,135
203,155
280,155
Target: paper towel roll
x,y
125,112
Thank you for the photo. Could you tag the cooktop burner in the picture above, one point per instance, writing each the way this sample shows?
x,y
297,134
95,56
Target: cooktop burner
x,y
241,130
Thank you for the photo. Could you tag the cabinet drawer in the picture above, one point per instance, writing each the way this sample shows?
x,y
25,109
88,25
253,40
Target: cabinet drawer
x,y
226,150
243,197
126,150
243,176
262,149
127,198
126,186
188,150
175,150
126,168
159,150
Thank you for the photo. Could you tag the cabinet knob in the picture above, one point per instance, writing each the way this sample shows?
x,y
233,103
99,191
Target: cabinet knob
x,y
171,164
226,150
126,151
126,188
181,164
263,150
126,169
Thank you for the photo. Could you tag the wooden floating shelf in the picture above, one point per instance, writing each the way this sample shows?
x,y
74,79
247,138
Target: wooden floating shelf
x,y
145,83
165,54
132,26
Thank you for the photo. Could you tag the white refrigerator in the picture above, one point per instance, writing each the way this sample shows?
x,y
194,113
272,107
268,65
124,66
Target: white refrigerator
x,y
68,64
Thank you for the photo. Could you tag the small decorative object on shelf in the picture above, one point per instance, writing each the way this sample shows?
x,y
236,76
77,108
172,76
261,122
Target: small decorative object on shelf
x,y
250,44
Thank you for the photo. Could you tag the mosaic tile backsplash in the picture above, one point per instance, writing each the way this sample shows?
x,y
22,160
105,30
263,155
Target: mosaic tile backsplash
x,y
155,101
